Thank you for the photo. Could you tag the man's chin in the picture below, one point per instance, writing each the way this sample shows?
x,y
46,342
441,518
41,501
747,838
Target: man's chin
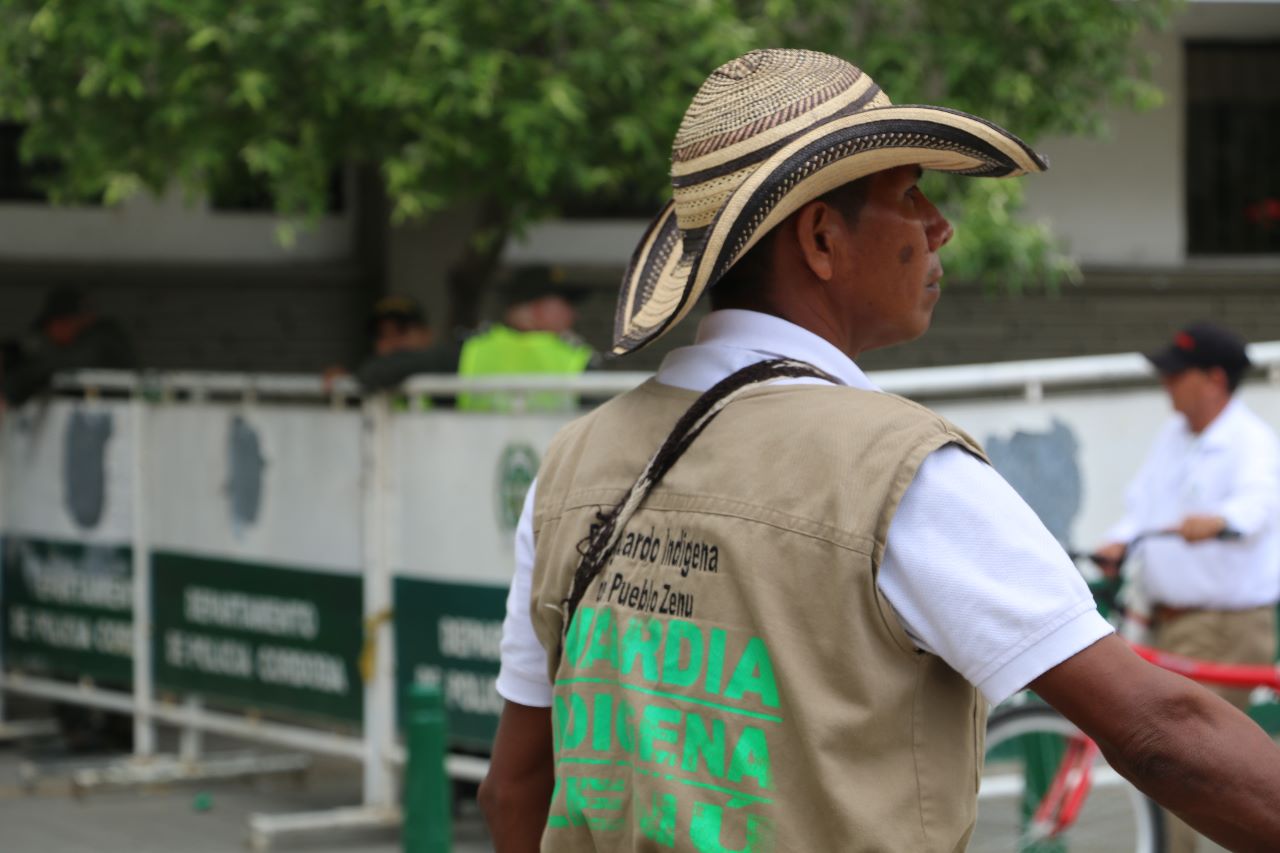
x,y
925,321
905,335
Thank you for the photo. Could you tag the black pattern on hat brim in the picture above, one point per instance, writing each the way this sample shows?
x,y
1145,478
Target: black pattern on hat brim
x,y
665,279
679,181
651,265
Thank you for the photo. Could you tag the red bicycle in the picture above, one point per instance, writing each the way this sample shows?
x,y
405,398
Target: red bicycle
x,y
1046,787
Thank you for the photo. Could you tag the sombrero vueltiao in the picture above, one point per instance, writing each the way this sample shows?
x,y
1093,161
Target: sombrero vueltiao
x,y
766,134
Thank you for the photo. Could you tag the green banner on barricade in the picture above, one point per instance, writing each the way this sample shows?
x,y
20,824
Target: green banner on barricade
x,y
448,636
68,609
256,635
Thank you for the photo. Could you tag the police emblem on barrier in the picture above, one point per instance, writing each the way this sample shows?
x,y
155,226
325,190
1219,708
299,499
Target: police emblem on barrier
x,y
517,466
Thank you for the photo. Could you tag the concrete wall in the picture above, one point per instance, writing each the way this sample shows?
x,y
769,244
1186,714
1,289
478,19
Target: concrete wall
x,y
303,318
196,288
300,317
1118,199
419,257
1111,312
150,230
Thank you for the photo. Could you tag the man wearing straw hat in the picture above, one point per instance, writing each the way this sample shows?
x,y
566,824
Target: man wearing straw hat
x,y
759,605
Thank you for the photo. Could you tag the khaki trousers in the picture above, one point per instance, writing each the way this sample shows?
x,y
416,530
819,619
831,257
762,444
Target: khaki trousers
x,y
1227,636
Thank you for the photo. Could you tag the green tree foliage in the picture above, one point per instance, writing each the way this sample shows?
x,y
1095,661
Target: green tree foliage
x,y
513,106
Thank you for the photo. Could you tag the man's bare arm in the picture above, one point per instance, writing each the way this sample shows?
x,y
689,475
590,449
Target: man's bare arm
x,y
1183,746
516,795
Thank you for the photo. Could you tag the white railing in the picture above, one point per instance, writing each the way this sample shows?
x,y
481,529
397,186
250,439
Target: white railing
x,y
1031,377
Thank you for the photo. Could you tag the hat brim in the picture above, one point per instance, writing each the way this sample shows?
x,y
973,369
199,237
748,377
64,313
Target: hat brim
x,y
670,270
1169,361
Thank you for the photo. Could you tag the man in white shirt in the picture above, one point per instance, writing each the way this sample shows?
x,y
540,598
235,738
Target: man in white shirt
x,y
847,261
1214,469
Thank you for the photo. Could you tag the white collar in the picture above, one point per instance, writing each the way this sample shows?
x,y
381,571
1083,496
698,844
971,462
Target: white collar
x,y
752,333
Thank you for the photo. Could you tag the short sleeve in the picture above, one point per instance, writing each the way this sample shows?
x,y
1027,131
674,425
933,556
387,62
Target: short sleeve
x,y
977,579
523,674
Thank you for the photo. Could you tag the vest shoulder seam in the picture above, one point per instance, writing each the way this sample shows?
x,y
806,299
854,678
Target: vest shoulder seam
x,y
717,505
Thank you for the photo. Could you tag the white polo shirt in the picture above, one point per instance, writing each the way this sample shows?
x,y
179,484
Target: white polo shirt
x,y
974,576
1231,469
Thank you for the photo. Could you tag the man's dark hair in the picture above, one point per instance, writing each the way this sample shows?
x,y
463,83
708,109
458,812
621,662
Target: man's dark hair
x,y
750,275
1235,375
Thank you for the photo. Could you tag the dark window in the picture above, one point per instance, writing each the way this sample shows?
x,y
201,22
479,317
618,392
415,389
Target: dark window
x,y
21,181
1233,129
237,189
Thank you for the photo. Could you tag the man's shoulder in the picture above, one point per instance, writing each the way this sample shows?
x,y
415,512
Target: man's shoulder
x,y
825,406
390,368
806,409
1249,423
1173,432
103,344
587,436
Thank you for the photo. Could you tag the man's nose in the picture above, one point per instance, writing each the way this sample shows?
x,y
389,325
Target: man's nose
x,y
938,229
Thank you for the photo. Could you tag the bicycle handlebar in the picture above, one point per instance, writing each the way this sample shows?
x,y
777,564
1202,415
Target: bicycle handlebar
x,y
1108,593
1224,535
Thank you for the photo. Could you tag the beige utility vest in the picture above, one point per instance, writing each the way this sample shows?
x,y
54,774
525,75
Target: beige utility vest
x,y
734,680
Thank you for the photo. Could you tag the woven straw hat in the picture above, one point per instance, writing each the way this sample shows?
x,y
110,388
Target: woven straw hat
x,y
766,134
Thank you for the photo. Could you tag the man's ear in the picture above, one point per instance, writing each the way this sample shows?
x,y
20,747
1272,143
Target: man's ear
x,y
818,229
1219,377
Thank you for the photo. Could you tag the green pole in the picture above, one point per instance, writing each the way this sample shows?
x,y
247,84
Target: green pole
x,y
428,819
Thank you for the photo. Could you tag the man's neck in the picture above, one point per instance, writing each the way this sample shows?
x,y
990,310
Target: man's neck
x,y
800,313
1203,420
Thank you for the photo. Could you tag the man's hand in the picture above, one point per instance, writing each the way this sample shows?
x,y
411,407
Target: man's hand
x,y
1108,557
331,376
1197,528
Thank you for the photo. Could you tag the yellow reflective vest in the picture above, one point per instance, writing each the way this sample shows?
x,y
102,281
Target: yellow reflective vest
x,y
500,351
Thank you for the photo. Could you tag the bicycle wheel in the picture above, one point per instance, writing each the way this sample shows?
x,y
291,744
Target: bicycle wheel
x,y
1025,749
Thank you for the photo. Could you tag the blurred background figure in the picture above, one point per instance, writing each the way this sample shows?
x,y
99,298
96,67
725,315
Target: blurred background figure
x,y
398,323
401,344
536,335
1214,467
67,334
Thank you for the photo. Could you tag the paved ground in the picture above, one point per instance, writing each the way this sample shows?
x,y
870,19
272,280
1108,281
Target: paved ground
x,y
205,818
173,818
